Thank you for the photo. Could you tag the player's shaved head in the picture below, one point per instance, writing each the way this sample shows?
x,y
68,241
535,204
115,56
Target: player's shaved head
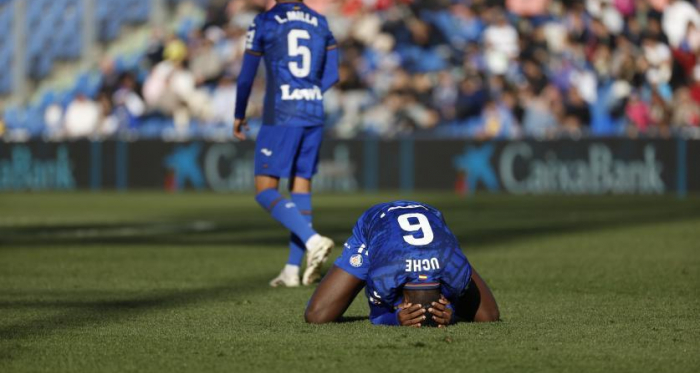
x,y
423,296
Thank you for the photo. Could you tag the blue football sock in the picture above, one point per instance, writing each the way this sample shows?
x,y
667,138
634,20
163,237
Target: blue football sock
x,y
297,249
296,245
286,213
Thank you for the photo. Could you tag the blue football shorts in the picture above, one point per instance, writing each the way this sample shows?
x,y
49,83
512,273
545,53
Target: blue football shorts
x,y
287,152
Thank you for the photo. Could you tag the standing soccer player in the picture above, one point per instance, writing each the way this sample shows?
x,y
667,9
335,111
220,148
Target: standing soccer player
x,y
301,60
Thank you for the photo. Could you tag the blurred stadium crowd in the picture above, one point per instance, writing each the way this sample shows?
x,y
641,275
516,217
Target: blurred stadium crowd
x,y
438,68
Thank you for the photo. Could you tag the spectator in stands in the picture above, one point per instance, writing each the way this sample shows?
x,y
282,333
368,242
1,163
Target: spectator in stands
x,y
129,107
539,119
660,113
676,18
657,5
497,122
110,76
156,89
501,43
659,59
223,96
607,14
206,63
487,64
444,96
53,118
686,112
155,48
171,89
695,86
638,115
577,117
110,121
472,97
464,26
3,126
82,118
528,8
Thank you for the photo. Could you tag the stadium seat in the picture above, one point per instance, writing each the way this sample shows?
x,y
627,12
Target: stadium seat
x,y
13,116
6,44
53,30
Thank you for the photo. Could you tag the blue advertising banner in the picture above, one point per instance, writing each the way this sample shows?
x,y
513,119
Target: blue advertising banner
x,y
522,167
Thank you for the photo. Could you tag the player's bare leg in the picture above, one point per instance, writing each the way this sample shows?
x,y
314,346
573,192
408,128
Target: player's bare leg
x,y
300,185
263,183
317,250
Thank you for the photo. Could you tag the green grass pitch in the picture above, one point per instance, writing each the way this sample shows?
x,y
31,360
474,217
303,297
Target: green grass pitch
x,y
149,282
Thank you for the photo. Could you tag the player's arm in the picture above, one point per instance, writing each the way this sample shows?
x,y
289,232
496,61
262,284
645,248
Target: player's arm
x,y
413,315
251,62
331,74
406,314
477,304
333,296
343,282
243,90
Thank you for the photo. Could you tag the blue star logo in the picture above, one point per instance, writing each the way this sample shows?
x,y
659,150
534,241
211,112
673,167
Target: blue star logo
x,y
184,161
476,164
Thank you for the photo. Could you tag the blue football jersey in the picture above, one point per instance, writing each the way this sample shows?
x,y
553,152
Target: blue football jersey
x,y
294,40
404,242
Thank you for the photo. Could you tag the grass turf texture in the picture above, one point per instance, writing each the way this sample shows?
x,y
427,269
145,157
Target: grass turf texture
x,y
174,283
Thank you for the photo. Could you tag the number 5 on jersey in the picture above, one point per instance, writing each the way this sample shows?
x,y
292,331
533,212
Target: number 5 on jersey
x,y
298,50
423,225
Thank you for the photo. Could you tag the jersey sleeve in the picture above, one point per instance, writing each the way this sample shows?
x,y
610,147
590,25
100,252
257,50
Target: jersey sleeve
x,y
379,315
331,43
355,257
254,38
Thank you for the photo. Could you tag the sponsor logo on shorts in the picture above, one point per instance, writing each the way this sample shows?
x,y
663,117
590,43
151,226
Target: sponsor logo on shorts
x,y
356,260
266,152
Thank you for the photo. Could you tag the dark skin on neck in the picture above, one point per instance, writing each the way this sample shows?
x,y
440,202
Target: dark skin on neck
x,y
338,289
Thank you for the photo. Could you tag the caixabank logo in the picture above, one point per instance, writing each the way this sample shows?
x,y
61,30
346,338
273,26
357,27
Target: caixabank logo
x,y
475,167
597,170
570,168
24,170
229,168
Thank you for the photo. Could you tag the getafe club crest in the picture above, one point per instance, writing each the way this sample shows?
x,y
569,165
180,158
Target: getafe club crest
x,y
356,260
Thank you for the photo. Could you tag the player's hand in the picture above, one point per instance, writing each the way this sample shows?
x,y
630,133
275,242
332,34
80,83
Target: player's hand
x,y
441,313
239,126
411,315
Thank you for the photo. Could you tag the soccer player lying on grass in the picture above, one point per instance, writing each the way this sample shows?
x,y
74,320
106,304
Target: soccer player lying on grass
x,y
412,268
